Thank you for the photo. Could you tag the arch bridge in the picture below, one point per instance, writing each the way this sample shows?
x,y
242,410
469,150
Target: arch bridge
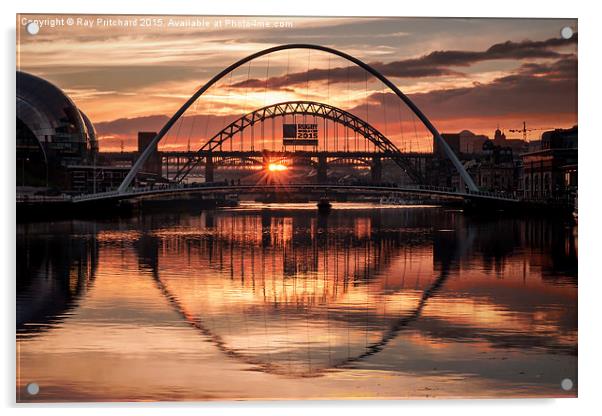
x,y
386,149
327,111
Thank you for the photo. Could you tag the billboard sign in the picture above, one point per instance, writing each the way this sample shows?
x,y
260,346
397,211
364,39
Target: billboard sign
x,y
300,134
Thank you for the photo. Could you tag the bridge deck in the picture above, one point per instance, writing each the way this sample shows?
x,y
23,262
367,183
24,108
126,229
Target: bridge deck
x,y
290,188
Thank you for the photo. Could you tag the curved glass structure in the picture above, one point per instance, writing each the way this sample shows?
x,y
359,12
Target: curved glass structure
x,y
45,113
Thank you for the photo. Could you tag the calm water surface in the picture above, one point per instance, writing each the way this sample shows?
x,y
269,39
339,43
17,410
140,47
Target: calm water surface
x,y
266,302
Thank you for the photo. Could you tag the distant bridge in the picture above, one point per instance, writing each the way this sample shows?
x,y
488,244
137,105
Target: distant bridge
x,y
290,188
328,112
204,163
212,150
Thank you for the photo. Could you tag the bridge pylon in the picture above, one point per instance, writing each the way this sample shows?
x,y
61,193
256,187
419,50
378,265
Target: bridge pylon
x,y
376,170
209,168
322,172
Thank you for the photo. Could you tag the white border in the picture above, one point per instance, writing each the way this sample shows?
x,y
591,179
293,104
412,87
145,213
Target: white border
x,y
590,288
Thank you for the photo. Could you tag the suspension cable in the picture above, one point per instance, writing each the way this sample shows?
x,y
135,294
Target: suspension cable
x,y
384,103
288,64
366,98
308,64
400,125
244,105
348,106
325,133
178,131
265,95
415,132
194,116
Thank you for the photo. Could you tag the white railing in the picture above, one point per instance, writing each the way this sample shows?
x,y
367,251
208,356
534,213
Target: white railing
x,y
98,195
43,198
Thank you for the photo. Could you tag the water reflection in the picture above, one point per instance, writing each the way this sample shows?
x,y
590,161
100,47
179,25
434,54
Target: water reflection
x,y
55,267
292,294
288,294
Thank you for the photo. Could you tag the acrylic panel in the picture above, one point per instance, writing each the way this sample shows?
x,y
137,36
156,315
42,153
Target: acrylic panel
x,y
290,208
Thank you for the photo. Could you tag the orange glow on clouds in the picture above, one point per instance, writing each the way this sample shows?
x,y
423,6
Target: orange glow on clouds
x,y
133,80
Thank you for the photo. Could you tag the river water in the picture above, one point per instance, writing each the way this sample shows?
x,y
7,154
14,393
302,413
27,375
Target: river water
x,y
280,302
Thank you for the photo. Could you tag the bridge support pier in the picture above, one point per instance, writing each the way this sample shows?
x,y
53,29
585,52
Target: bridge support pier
x,y
376,170
209,169
322,169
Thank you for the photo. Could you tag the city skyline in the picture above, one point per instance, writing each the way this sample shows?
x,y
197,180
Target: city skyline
x,y
215,208
514,71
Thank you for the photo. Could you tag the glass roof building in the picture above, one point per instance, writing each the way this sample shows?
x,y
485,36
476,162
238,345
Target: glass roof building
x,y
50,128
52,133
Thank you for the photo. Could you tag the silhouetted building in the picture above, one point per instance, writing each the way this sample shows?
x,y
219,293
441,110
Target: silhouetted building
x,y
551,173
533,146
493,164
518,146
153,163
559,139
89,179
498,137
441,171
453,141
471,143
496,170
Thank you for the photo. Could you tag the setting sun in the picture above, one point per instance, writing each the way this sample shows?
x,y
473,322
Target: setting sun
x,y
277,167
266,208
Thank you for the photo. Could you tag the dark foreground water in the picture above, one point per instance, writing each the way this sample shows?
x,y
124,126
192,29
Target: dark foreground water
x,y
264,302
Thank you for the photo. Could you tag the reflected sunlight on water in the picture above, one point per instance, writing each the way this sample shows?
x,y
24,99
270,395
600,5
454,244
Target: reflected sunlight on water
x,y
280,302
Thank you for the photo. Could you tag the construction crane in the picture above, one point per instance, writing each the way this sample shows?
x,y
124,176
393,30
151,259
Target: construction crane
x,y
524,130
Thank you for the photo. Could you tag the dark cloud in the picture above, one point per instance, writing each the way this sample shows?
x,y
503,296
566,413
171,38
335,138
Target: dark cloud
x,y
188,126
130,126
534,89
437,63
344,74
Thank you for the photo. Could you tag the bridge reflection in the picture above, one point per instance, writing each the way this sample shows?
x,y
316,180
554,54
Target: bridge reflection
x,y
289,295
294,293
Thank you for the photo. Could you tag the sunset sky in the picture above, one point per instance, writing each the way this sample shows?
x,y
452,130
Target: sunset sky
x,y
472,74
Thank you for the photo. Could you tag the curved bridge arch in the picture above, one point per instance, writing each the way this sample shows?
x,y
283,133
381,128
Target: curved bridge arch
x,y
397,326
445,147
359,160
312,108
249,161
338,161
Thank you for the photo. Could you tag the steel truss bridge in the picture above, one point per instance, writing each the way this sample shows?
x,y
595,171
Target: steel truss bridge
x,y
292,108
211,153
205,163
